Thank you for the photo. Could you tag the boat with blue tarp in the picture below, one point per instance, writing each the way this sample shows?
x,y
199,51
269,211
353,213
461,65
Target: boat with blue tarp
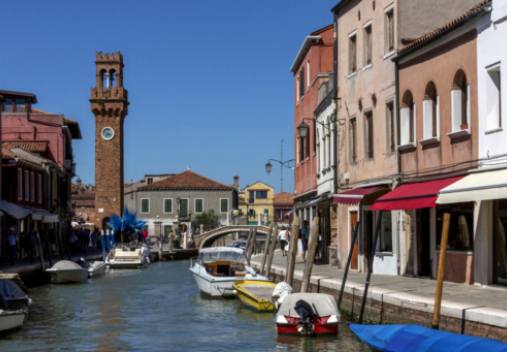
x,y
416,338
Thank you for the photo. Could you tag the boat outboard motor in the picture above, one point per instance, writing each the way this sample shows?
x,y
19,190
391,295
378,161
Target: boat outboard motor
x,y
307,314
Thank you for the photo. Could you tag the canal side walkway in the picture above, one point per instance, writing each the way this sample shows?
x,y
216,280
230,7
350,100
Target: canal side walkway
x,y
468,309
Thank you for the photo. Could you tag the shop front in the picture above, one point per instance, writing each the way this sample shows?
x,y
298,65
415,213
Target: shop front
x,y
484,195
418,224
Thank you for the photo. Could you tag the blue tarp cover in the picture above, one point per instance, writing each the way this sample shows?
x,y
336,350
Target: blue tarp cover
x,y
11,295
416,338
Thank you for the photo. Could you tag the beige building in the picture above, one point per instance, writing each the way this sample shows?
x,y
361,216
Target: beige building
x,y
369,33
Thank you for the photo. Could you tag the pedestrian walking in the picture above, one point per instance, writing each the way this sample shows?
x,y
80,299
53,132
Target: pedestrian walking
x,y
283,238
12,241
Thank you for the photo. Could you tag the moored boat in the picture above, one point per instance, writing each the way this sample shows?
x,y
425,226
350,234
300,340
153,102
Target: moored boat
x,y
125,257
255,294
66,271
308,314
14,305
96,269
217,268
405,337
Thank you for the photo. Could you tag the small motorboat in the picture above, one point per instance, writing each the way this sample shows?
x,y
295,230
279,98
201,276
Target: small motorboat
x,y
125,257
255,294
217,268
308,314
14,305
405,337
66,272
96,268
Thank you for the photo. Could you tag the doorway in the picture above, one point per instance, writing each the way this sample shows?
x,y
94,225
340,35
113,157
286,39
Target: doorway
x,y
355,251
500,243
423,221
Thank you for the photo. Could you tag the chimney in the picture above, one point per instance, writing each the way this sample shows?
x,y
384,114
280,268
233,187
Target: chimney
x,y
235,182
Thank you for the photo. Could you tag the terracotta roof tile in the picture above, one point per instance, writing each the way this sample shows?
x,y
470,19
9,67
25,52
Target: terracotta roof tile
x,y
187,180
283,198
448,27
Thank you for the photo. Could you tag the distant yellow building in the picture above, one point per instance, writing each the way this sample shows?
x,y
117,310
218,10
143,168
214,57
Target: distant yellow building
x,y
256,203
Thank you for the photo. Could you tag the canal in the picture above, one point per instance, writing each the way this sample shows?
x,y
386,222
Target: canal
x,y
155,309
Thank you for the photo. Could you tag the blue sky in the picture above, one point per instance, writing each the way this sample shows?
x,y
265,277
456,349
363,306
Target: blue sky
x,y
209,81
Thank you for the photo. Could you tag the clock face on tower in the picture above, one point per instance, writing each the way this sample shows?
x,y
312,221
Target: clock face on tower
x,y
107,133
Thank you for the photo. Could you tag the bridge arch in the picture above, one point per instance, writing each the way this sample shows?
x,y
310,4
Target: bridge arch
x,y
207,238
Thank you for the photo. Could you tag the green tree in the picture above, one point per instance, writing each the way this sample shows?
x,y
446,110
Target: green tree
x,y
208,219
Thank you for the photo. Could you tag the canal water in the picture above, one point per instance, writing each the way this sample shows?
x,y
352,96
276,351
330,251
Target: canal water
x,y
155,309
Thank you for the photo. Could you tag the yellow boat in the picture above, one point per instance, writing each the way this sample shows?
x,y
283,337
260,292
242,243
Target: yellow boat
x,y
255,294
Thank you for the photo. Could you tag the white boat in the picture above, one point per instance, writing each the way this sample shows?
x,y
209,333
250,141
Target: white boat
x,y
124,257
14,305
217,268
96,268
66,272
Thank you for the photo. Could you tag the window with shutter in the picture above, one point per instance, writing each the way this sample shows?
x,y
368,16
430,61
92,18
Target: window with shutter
x,y
493,98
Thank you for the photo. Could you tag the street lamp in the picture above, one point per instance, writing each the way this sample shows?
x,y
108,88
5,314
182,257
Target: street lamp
x,y
303,129
288,164
268,167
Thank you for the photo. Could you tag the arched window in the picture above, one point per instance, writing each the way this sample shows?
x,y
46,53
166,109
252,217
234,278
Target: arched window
x,y
431,115
104,79
323,90
112,79
407,119
460,102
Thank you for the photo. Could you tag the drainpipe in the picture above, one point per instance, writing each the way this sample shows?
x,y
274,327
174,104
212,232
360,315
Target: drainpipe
x,y
336,100
398,158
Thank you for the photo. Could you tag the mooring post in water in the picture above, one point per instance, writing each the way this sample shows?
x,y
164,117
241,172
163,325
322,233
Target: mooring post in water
x,y
310,254
293,250
371,257
347,266
248,247
272,246
265,252
441,272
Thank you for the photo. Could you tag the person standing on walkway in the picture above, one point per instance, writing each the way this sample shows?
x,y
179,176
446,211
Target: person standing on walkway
x,y
12,241
282,238
304,233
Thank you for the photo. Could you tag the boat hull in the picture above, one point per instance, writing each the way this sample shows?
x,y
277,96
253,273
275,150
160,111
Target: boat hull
x,y
214,287
11,320
317,329
245,291
67,276
405,337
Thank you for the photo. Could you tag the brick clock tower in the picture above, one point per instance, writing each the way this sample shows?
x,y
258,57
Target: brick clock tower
x,y
109,104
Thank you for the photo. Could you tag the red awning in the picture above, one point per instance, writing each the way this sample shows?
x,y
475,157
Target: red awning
x,y
355,195
415,195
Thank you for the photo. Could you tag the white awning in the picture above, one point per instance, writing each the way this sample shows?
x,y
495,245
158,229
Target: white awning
x,y
44,216
14,210
477,186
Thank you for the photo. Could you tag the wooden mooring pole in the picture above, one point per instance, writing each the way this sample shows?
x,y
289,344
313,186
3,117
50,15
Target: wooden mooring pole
x,y
249,247
371,257
310,254
293,249
271,250
441,272
347,266
266,249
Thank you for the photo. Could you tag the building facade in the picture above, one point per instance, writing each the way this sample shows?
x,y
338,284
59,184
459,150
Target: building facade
x,y
256,203
175,201
282,204
37,166
311,68
369,35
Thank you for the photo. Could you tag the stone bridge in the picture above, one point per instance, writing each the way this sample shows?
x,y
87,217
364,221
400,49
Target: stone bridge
x,y
206,239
